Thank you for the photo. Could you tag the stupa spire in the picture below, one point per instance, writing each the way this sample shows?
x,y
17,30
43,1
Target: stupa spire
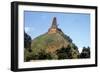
x,y
54,27
54,23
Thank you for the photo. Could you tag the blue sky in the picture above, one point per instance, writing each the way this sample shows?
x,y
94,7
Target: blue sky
x,y
75,25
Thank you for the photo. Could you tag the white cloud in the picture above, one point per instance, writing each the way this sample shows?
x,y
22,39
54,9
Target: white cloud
x,y
80,50
29,29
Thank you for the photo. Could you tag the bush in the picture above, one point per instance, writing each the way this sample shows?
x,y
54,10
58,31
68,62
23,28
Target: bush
x,y
85,52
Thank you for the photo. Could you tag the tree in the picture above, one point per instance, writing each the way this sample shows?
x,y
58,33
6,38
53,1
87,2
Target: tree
x,y
27,41
61,53
67,53
64,53
85,52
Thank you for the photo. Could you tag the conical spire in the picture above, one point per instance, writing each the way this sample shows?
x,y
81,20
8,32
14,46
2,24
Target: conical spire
x,y
54,23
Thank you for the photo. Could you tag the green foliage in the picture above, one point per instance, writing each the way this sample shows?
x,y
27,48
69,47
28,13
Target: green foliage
x,y
47,40
27,41
42,55
62,53
62,45
28,55
67,53
85,52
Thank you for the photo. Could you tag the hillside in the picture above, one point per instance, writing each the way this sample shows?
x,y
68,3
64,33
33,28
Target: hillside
x,y
53,44
50,42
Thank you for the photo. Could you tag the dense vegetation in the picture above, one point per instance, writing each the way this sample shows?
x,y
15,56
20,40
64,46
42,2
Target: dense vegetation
x,y
52,46
85,52
27,41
